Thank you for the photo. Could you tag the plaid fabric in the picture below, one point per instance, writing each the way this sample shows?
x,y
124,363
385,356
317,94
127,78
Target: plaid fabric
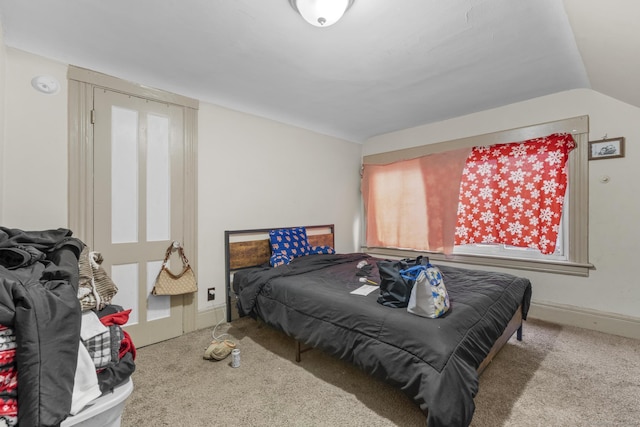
x,y
103,348
99,348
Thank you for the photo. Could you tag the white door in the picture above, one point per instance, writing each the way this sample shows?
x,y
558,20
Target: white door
x,y
138,204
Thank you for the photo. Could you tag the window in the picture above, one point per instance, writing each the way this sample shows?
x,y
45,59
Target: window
x,y
563,241
512,198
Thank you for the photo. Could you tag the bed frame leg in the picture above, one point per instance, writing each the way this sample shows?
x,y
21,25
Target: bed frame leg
x,y
300,350
519,333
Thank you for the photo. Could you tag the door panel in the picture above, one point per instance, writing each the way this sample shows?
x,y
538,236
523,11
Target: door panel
x,y
138,201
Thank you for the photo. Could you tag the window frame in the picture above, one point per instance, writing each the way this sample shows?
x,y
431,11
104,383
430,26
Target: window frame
x,y
577,262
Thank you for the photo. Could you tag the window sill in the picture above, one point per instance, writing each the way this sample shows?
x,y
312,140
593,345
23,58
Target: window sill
x,y
555,267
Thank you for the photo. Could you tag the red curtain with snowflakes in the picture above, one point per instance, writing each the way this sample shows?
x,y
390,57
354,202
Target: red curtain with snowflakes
x,y
514,193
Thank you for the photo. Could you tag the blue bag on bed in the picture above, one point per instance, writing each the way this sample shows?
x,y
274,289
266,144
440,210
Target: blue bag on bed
x,y
429,297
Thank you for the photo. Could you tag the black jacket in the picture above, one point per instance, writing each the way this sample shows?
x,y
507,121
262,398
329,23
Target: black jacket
x,y
38,299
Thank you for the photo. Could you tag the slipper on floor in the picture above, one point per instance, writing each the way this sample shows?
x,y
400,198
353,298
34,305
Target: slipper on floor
x,y
218,350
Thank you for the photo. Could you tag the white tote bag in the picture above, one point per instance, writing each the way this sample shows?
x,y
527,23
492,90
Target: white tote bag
x,y
429,297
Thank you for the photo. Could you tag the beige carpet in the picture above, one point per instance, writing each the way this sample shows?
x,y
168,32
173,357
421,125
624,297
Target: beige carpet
x,y
557,376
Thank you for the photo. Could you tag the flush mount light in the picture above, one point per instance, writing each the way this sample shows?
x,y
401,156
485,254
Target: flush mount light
x,y
45,84
321,13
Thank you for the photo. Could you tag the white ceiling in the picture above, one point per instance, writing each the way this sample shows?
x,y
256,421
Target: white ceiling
x,y
387,65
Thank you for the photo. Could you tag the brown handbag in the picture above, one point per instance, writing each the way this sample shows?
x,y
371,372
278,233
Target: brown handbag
x,y
168,283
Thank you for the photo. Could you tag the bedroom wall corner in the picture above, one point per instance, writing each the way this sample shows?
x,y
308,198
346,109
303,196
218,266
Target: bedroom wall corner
x,y
35,161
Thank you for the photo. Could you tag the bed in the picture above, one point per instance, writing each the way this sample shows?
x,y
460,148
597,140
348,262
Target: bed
x,y
436,362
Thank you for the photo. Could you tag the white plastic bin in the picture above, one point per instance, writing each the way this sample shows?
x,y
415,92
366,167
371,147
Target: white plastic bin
x,y
105,411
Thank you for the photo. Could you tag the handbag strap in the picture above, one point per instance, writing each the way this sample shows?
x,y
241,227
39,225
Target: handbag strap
x,y
185,261
412,273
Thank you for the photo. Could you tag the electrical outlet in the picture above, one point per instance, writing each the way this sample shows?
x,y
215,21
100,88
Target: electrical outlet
x,y
211,294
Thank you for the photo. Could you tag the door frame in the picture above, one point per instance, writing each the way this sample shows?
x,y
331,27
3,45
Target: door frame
x,y
80,186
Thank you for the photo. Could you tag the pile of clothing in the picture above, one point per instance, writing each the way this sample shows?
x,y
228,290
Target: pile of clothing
x,y
47,371
110,347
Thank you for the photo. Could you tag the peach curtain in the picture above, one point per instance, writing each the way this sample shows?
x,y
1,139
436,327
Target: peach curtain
x,y
413,204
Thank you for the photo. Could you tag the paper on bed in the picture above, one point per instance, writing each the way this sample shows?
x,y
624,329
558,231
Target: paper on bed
x,y
364,290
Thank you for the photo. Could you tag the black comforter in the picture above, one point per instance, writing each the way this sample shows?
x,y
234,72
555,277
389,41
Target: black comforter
x,y
434,361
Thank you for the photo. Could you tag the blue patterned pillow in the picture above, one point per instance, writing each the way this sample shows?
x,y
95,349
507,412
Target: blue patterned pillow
x,y
277,260
321,250
287,244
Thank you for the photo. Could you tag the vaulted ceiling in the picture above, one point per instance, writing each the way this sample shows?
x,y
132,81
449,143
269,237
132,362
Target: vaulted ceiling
x,y
385,66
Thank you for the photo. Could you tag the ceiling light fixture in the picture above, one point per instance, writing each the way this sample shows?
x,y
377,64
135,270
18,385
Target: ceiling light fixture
x,y
321,13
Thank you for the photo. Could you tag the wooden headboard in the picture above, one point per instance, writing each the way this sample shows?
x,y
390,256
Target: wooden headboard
x,y
250,248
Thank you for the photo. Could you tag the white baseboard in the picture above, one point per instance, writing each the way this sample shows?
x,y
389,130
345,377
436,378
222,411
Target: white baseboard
x,y
210,317
600,321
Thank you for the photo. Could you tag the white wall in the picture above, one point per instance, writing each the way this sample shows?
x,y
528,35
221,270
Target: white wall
x,y
614,208
252,172
34,160
2,102
257,173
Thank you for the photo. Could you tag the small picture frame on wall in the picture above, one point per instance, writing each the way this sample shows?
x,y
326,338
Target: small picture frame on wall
x,y
606,148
